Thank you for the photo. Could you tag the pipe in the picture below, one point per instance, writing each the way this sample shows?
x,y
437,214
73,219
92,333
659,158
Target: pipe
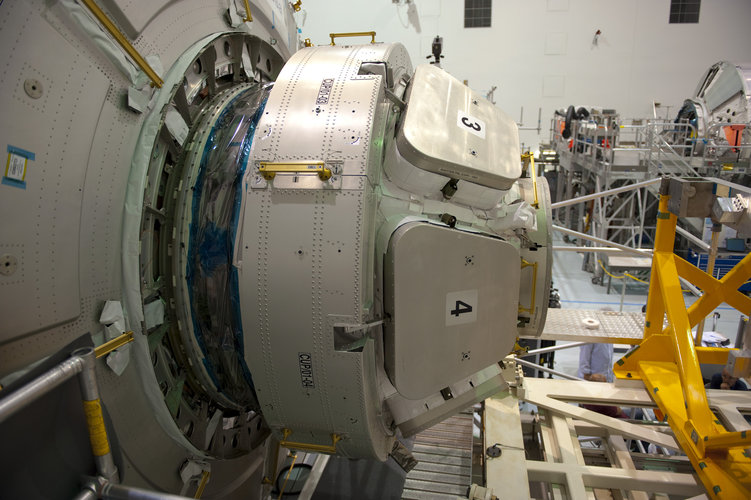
x,y
693,239
601,241
715,241
544,369
112,491
82,363
691,288
140,61
543,350
743,332
87,494
591,249
92,407
602,194
40,386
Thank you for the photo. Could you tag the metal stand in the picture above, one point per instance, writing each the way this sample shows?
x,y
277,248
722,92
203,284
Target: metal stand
x,y
668,362
80,363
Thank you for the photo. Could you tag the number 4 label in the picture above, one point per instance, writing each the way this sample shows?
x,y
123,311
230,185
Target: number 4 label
x,y
461,307
470,124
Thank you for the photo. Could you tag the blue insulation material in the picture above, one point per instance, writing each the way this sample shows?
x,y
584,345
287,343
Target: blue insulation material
x,y
211,278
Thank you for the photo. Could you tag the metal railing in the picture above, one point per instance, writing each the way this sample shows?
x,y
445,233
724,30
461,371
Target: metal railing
x,y
82,364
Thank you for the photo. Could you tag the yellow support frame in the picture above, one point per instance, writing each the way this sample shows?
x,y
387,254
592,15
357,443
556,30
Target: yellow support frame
x,y
668,362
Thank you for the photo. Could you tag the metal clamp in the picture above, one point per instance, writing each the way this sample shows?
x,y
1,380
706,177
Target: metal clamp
x,y
314,448
269,170
371,34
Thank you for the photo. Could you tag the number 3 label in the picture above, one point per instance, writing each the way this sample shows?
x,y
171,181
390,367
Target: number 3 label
x,y
461,307
471,124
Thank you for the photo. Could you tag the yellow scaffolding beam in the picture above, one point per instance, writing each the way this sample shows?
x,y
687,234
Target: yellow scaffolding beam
x,y
668,362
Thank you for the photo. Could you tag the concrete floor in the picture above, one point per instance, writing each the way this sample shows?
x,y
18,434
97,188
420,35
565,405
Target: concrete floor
x,y
578,292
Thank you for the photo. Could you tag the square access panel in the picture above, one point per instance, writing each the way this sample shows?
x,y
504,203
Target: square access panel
x,y
451,299
450,130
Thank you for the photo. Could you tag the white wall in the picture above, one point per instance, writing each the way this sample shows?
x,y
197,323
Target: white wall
x,y
639,58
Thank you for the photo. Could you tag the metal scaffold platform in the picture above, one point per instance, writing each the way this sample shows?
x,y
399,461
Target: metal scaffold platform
x,y
577,325
657,431
444,455
593,151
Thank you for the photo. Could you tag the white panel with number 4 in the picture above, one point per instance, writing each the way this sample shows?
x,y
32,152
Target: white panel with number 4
x,y
461,307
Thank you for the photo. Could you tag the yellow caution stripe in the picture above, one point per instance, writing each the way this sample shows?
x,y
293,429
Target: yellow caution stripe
x,y
97,432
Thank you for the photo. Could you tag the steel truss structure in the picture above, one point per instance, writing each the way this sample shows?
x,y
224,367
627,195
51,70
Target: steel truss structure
x,y
603,154
662,371
565,467
668,363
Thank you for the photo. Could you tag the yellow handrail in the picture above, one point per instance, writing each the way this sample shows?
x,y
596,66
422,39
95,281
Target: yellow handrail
x,y
202,485
269,170
530,162
371,34
315,448
248,16
113,344
156,81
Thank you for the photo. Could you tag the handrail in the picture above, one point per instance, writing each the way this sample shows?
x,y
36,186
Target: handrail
x,y
156,81
248,15
82,364
371,34
269,170
315,448
113,344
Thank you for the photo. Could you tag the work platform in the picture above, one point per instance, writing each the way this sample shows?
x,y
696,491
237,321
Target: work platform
x,y
444,455
566,466
614,327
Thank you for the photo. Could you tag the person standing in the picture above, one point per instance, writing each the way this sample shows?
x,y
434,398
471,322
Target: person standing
x,y
596,358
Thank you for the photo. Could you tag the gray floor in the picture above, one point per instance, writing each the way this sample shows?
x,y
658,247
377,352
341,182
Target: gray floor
x,y
578,292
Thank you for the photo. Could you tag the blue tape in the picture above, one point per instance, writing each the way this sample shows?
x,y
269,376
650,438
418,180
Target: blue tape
x,y
21,152
13,182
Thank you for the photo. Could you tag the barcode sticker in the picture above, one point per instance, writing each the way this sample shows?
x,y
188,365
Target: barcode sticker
x,y
16,168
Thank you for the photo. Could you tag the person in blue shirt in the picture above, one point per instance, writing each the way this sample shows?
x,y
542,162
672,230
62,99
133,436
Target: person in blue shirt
x,y
596,358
